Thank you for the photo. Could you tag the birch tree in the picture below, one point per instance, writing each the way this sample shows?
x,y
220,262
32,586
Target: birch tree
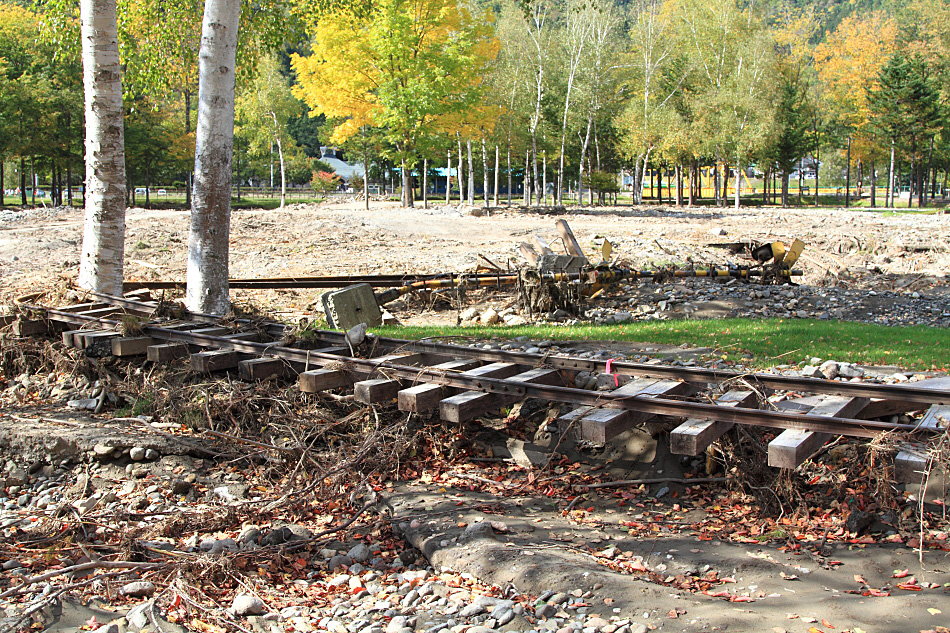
x,y
403,66
266,106
103,245
645,118
207,269
576,32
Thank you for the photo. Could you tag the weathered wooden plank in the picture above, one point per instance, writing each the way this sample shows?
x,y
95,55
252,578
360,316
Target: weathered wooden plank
x,y
70,337
131,345
910,465
83,307
419,398
792,446
375,390
211,331
573,247
98,344
602,425
253,337
99,313
335,349
799,405
214,360
937,418
528,252
30,327
323,379
543,247
471,404
426,397
600,428
261,368
880,408
694,435
400,359
166,352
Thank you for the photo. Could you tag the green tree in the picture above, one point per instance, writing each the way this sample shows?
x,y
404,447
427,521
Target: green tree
x,y
404,66
264,108
905,108
790,139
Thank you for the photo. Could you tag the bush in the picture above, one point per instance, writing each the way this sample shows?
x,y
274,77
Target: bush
x,y
324,182
602,183
356,182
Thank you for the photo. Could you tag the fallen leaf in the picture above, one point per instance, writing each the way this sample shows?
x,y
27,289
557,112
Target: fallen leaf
x,y
814,629
858,578
910,586
826,623
933,611
900,573
791,616
789,576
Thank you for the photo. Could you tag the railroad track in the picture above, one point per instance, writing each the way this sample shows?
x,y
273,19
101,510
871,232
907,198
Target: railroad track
x,y
462,383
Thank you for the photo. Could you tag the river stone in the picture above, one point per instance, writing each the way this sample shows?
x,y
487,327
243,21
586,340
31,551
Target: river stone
x,y
360,553
137,589
246,604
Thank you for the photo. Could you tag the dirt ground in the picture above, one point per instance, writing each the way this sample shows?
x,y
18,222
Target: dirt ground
x,y
544,544
859,249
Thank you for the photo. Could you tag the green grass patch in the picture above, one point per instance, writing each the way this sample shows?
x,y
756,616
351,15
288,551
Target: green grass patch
x,y
768,341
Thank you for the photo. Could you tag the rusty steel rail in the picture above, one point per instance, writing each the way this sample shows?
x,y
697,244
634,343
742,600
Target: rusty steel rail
x,y
411,374
269,283
694,375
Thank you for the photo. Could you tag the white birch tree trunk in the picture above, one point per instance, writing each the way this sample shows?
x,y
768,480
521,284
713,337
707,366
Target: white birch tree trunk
x,y
471,175
485,174
208,241
890,181
544,177
103,243
448,178
461,171
739,181
527,177
425,183
280,157
497,167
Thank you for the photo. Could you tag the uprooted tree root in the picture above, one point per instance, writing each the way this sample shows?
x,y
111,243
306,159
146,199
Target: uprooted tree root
x,y
847,474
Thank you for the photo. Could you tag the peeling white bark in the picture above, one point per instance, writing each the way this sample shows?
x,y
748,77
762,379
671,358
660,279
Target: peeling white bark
x,y
103,242
207,273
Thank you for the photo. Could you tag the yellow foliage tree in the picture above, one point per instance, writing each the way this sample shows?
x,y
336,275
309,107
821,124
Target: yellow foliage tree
x,y
407,67
848,63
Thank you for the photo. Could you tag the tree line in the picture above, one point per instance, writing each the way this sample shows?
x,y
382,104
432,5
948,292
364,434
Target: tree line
x,y
566,91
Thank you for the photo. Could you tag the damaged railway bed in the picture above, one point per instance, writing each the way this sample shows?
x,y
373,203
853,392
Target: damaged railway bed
x,y
343,481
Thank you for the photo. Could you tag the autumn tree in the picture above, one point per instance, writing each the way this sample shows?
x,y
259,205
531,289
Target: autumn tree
x,y
264,107
848,63
402,66
646,118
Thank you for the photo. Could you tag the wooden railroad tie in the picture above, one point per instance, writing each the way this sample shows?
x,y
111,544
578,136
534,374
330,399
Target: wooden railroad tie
x,y
600,425
792,446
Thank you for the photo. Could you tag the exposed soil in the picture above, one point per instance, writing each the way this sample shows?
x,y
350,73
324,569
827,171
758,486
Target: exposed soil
x,y
722,557
862,250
